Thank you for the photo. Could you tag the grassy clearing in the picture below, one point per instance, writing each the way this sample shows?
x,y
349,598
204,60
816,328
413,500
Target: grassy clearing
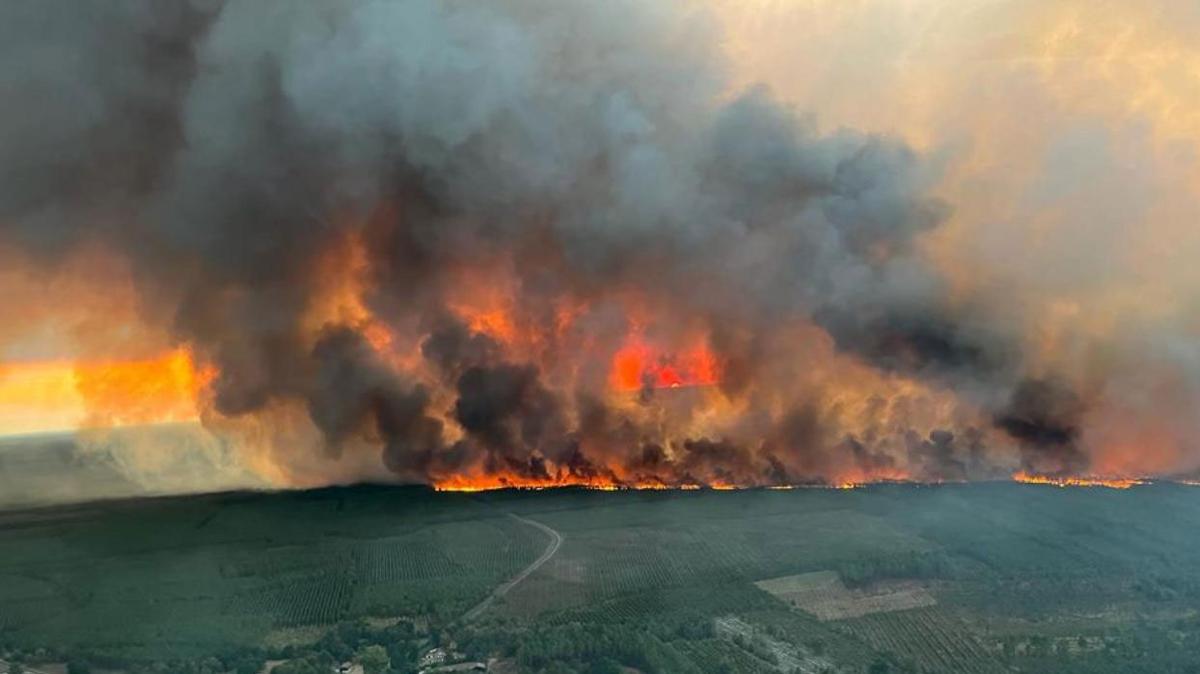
x,y
823,594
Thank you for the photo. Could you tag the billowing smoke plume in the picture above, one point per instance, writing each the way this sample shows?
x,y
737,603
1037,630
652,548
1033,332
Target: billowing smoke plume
x,y
525,241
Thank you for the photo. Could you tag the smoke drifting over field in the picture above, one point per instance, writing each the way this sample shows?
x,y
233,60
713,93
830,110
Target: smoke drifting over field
x,y
523,242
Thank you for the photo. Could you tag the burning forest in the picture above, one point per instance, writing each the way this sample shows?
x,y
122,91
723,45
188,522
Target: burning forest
x,y
533,244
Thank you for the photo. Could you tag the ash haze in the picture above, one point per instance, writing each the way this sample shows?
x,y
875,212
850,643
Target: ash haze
x,y
609,244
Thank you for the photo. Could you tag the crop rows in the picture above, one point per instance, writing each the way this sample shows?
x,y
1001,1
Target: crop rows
x,y
602,565
648,558
443,564
617,561
401,559
712,655
449,550
928,638
499,546
312,600
280,561
627,608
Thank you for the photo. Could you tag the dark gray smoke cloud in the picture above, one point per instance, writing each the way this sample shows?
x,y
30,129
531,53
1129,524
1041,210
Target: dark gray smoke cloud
x,y
1044,415
225,147
353,390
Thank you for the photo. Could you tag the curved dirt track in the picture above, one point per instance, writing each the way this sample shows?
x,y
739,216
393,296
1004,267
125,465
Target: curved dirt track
x,y
556,540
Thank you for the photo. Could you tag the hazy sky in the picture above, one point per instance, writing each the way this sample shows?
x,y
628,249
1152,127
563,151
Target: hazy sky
x,y
1069,133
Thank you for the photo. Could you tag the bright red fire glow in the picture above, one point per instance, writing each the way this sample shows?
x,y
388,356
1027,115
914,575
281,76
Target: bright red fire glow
x,y
639,364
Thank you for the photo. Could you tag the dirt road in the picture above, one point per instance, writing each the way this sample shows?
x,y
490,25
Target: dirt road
x,y
556,540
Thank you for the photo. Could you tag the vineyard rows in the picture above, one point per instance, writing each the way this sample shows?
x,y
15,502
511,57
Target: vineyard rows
x,y
928,638
452,563
711,655
310,600
648,558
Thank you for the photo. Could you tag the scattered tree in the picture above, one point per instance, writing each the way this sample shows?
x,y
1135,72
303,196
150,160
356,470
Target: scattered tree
x,y
374,659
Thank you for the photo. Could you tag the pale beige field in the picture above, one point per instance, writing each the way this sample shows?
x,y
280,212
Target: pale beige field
x,y
823,594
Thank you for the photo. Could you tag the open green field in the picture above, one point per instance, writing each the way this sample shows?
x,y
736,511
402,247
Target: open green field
x,y
890,578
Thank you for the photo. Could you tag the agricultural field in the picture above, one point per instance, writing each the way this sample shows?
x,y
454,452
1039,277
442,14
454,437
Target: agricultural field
x,y
190,576
823,594
976,578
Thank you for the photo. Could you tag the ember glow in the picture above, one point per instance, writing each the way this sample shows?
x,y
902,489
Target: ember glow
x,y
459,483
1077,481
498,482
533,244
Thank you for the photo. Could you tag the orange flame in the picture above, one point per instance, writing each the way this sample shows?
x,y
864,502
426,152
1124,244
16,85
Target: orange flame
x,y
497,482
494,481
1077,481
480,482
639,364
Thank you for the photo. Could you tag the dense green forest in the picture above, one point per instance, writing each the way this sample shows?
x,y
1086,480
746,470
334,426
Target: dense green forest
x,y
890,578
